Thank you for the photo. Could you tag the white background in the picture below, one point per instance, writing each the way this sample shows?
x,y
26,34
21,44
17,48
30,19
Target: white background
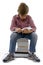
x,y
8,8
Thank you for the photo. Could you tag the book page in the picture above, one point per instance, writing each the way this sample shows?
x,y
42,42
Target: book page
x,y
27,28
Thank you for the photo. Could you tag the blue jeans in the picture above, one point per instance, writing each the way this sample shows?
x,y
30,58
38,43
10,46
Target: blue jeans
x,y
15,36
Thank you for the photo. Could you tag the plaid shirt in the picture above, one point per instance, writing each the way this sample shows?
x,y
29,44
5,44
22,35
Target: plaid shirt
x,y
17,22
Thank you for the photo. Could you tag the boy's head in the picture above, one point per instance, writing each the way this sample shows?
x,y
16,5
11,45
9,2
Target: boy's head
x,y
23,10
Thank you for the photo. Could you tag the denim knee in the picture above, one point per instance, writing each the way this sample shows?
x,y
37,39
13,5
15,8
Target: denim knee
x,y
13,35
34,35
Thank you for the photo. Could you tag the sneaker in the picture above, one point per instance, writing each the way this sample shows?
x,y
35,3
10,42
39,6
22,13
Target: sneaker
x,y
33,57
8,58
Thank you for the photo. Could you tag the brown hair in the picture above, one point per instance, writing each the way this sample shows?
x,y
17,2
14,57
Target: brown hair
x,y
23,9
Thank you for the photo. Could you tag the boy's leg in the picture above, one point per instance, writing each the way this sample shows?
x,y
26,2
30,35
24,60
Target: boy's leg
x,y
13,39
33,40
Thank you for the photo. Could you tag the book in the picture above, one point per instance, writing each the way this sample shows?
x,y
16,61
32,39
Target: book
x,y
27,28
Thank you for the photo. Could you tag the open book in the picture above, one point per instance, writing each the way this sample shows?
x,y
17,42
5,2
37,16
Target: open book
x,y
27,28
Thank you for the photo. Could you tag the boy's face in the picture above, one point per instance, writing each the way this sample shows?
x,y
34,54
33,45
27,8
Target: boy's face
x,y
23,16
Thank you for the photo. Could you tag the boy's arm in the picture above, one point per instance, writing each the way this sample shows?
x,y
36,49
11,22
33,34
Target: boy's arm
x,y
13,24
32,25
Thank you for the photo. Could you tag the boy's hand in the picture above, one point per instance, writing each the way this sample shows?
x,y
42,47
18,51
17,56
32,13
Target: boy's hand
x,y
18,30
26,31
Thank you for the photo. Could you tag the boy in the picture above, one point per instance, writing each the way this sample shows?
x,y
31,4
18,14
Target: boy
x,y
19,22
